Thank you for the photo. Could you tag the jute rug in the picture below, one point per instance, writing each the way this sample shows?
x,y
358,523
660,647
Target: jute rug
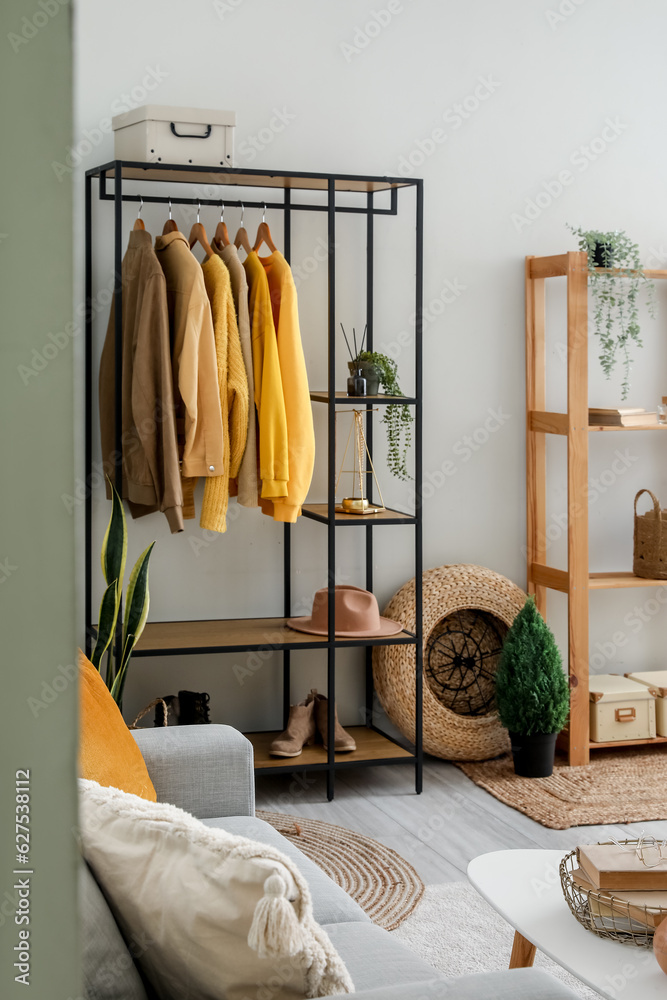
x,y
384,885
626,786
458,933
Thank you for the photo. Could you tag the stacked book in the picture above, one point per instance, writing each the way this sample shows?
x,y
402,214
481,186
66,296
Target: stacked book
x,y
628,417
622,889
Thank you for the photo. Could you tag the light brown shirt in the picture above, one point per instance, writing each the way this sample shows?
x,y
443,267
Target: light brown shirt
x,y
151,479
194,365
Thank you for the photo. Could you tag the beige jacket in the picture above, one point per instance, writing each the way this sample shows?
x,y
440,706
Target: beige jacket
x,y
194,366
151,479
246,485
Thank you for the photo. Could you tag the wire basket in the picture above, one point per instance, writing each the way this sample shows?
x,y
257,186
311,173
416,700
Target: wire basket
x,y
603,913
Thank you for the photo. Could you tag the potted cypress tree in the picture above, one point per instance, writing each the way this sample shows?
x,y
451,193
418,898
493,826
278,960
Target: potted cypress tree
x,y
532,693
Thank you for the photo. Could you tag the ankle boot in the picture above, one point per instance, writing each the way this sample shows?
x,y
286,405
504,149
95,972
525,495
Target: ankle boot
x,y
300,732
343,742
193,708
173,711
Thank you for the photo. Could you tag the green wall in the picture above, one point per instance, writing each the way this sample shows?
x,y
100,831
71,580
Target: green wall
x,y
37,628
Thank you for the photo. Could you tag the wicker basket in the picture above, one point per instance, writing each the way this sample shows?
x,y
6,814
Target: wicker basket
x,y
603,913
447,590
650,547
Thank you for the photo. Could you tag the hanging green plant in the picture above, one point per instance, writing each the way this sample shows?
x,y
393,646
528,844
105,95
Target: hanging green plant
x,y
114,553
616,277
397,419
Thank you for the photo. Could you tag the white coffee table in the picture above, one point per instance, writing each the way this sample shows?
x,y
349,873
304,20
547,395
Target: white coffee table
x,y
524,888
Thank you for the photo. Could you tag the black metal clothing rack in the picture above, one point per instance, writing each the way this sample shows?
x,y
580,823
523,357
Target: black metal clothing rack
x,y
174,638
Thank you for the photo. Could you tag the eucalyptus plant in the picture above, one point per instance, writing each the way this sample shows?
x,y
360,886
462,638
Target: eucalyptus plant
x,y
398,419
114,555
616,278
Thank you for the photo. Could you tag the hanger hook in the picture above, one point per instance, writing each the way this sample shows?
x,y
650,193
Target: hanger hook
x,y
222,210
264,211
242,212
141,205
198,210
170,208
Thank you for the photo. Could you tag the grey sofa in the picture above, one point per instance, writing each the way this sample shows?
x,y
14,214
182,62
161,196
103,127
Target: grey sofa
x,y
208,771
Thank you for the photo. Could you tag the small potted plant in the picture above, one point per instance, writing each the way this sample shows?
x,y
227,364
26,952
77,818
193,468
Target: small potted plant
x,y
616,278
532,693
114,552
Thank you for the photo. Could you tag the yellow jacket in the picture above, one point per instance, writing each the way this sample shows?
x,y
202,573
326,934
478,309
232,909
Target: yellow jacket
x,y
269,399
233,385
298,408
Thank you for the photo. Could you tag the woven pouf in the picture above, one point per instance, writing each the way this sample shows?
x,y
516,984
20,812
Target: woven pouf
x,y
467,611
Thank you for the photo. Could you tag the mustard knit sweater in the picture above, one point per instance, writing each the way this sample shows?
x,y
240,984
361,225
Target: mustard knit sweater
x,y
233,384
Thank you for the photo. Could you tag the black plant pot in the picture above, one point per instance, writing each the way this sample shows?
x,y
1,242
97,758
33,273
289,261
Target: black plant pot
x,y
533,755
603,255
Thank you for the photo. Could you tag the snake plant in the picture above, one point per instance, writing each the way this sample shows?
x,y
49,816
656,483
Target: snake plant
x,y
114,554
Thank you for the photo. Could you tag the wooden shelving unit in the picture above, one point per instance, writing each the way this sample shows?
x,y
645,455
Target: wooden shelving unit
x,y
577,580
120,182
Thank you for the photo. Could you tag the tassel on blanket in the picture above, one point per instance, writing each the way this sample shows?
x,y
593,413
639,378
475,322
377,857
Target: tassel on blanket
x,y
275,931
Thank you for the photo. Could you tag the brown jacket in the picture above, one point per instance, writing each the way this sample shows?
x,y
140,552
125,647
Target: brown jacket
x,y
151,479
194,364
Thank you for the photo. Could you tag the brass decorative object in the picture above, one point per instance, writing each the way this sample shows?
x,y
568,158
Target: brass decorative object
x,y
359,503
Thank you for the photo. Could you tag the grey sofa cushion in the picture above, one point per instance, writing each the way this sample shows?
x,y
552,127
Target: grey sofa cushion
x,y
374,958
518,984
107,968
331,904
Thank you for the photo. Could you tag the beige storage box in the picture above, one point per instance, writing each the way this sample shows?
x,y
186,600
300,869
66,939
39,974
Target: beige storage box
x,y
621,709
656,680
157,133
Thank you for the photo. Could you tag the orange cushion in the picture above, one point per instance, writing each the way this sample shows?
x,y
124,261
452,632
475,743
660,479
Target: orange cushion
x,y
108,752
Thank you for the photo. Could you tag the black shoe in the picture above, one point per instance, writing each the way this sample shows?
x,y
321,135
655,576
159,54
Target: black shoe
x,y
173,711
193,708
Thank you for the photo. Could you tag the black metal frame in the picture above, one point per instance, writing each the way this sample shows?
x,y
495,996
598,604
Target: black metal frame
x,y
291,181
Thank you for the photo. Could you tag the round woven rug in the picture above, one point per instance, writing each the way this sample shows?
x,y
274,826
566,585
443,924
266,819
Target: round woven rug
x,y
384,885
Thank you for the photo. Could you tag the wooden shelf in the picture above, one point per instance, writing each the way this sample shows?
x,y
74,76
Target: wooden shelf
x,y
239,634
371,746
557,579
546,422
319,512
295,180
639,427
627,743
322,396
613,581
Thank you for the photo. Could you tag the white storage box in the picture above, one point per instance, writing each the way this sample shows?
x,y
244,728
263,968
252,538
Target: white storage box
x,y
656,681
158,133
621,709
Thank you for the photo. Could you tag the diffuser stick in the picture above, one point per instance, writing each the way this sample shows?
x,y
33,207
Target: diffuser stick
x,y
361,349
347,342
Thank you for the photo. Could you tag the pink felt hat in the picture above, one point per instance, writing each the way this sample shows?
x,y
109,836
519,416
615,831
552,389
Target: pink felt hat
x,y
356,615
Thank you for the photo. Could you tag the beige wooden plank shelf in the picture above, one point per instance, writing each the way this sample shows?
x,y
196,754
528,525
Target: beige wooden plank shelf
x,y
238,634
318,512
371,745
545,422
627,743
557,579
322,396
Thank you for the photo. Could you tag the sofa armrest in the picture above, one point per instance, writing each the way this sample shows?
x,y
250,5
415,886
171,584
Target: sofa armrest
x,y
206,770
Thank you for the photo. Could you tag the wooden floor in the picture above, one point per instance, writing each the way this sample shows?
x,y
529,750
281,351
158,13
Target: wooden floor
x,y
439,831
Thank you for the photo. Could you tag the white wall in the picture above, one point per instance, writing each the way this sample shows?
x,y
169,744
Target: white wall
x,y
518,92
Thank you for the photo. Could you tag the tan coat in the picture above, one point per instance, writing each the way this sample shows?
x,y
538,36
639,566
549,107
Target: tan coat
x,y
151,479
245,487
194,365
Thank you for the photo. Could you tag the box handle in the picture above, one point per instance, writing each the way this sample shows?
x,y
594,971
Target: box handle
x,y
189,135
626,714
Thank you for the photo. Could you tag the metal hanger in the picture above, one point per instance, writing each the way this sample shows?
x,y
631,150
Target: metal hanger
x,y
264,234
139,223
221,237
198,234
169,226
241,238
